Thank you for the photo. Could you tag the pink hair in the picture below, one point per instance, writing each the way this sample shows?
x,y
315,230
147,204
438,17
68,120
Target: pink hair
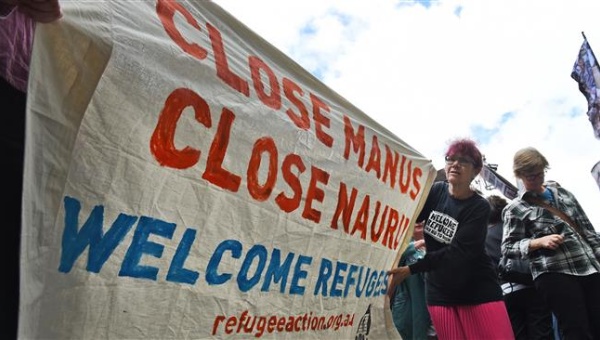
x,y
465,147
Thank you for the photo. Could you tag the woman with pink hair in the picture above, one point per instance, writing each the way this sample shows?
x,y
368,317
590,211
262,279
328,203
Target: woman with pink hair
x,y
463,295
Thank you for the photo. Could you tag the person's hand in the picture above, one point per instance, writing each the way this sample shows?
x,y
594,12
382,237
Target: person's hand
x,y
43,11
552,241
418,231
397,275
548,242
420,244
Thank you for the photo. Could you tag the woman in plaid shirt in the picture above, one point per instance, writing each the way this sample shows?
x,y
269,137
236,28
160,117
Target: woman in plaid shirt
x,y
564,259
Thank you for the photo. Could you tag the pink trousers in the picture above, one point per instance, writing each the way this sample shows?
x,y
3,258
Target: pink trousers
x,y
485,321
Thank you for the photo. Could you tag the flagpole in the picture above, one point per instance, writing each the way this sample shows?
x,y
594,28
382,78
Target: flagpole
x,y
583,35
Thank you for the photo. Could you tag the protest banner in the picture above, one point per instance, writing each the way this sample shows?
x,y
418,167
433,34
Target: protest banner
x,y
185,179
494,181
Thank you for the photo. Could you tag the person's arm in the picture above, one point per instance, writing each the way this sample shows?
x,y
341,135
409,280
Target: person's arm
x,y
43,11
396,276
580,216
469,237
516,243
546,242
399,274
6,7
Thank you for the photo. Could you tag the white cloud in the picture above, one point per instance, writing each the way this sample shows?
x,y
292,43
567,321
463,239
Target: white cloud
x,y
429,75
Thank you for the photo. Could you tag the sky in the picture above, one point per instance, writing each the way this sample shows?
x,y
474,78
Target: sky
x,y
495,71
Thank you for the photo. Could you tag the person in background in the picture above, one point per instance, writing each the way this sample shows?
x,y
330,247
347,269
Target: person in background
x,y
409,310
17,23
464,297
529,315
546,225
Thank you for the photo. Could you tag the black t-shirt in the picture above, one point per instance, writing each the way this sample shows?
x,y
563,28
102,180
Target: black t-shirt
x,y
458,270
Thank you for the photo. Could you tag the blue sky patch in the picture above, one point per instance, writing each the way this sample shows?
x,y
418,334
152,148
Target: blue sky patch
x,y
458,11
483,135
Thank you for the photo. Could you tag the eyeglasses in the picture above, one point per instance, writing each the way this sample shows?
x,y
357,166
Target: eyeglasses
x,y
462,161
532,177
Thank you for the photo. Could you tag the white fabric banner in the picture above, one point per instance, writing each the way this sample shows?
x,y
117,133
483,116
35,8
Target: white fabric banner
x,y
185,179
494,180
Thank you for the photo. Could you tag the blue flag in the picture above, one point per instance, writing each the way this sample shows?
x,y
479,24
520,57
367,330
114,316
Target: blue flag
x,y
587,74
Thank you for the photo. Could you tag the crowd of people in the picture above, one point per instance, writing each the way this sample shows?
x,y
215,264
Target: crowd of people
x,y
544,233
529,315
447,284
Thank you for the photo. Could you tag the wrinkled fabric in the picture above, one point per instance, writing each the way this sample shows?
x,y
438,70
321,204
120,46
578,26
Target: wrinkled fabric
x,y
106,82
16,39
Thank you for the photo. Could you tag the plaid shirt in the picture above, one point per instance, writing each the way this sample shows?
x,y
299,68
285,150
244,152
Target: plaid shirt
x,y
524,222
